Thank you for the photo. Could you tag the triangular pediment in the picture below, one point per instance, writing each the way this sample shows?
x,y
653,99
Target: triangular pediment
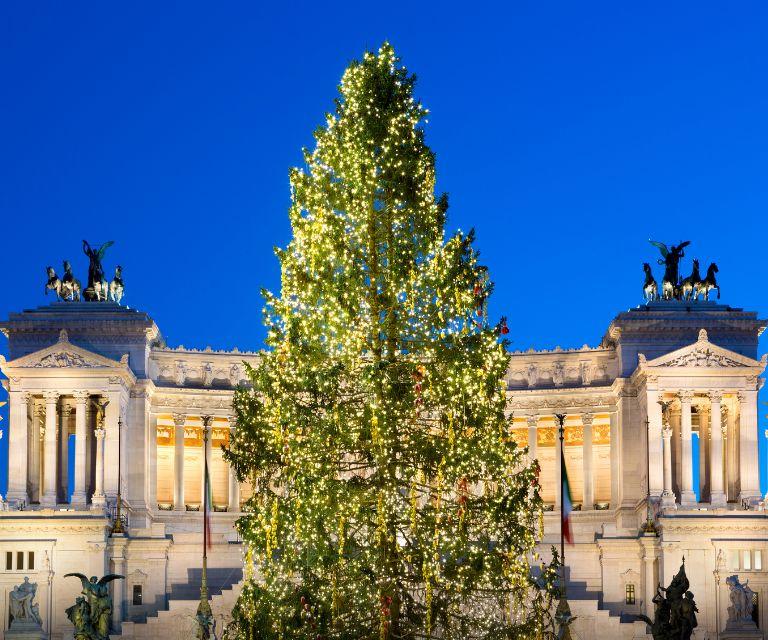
x,y
702,354
64,354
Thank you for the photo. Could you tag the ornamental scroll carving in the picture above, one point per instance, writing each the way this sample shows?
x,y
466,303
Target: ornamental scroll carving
x,y
702,358
63,359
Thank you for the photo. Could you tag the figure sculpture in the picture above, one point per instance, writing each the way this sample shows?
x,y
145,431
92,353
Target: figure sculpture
x,y
91,614
670,258
97,285
740,611
116,287
21,603
675,613
70,286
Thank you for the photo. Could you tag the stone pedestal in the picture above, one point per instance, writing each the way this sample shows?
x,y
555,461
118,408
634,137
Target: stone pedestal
x,y
741,631
24,630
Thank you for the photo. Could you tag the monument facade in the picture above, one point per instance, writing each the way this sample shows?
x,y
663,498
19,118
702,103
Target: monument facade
x,y
669,376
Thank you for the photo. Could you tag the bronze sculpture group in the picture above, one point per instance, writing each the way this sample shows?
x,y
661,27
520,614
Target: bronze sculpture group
x,y
92,612
68,287
672,287
675,611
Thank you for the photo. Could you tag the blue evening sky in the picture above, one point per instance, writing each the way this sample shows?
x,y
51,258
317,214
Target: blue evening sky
x,y
567,134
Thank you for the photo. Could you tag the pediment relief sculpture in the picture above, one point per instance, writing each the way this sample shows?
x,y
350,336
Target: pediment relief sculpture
x,y
64,359
702,358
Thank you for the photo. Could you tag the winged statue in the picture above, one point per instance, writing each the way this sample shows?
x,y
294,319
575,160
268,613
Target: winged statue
x,y
91,614
670,258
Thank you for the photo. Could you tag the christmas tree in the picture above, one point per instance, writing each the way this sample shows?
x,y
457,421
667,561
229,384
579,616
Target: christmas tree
x,y
390,500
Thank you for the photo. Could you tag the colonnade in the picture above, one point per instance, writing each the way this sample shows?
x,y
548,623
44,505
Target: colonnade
x,y
728,448
586,422
40,426
181,424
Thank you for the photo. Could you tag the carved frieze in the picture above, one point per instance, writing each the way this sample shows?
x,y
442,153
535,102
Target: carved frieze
x,y
702,357
62,359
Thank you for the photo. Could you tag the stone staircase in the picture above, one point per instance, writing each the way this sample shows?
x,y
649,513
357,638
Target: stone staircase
x,y
594,622
177,622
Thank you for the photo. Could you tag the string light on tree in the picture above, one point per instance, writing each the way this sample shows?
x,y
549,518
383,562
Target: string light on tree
x,y
389,499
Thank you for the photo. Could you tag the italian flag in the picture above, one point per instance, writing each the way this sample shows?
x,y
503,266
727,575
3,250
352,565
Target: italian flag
x,y
567,506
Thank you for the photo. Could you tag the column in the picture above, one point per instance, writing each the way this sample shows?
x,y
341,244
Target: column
x,y
99,500
152,462
615,457
206,455
65,416
558,457
112,444
118,586
704,462
732,450
533,442
49,465
233,495
668,496
588,500
717,494
179,420
35,468
81,402
687,496
17,448
749,471
656,452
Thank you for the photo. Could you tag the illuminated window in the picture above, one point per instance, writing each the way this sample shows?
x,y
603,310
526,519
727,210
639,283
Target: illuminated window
x,y
629,597
758,561
747,560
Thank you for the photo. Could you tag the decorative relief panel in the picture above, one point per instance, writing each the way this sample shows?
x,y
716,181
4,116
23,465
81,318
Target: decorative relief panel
x,y
520,436
62,359
702,357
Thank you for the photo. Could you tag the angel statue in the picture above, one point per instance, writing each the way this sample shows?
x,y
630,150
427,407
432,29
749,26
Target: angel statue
x,y
670,258
91,615
97,284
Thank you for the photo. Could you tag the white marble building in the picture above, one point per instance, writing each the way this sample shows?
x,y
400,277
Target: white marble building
x,y
66,359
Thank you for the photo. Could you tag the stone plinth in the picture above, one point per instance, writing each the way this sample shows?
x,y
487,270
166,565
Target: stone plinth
x,y
24,630
745,630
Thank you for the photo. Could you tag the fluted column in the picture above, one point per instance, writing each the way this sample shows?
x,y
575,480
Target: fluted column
x,y
717,494
99,500
558,457
81,401
656,449
704,460
668,496
233,495
152,462
50,472
65,418
749,471
179,420
687,496
588,501
533,442
18,439
34,472
206,453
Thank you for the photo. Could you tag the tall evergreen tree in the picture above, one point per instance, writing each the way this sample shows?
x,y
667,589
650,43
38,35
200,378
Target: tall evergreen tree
x,y
390,500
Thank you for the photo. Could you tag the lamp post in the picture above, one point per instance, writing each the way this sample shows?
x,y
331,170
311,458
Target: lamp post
x,y
563,615
649,527
204,615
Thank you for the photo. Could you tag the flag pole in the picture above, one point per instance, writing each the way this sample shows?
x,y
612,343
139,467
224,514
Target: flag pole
x,y
204,615
563,614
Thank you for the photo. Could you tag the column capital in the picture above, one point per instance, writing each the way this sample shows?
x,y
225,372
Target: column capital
x,y
686,395
715,395
100,433
50,396
81,396
21,396
587,419
533,421
179,419
667,432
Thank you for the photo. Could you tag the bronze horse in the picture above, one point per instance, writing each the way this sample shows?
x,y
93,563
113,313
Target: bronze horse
x,y
650,288
690,287
709,283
